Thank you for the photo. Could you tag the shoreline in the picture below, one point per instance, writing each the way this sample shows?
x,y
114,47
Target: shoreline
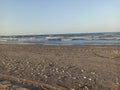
x,y
72,67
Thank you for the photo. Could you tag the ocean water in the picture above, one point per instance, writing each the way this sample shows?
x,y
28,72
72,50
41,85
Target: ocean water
x,y
112,38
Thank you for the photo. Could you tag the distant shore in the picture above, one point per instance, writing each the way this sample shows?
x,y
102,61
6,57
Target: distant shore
x,y
72,67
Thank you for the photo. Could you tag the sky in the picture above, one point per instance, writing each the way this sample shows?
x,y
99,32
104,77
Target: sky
x,y
19,17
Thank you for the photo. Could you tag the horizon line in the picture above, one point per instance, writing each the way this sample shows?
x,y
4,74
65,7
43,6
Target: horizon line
x,y
58,33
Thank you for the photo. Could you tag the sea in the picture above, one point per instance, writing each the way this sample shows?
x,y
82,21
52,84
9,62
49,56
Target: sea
x,y
108,38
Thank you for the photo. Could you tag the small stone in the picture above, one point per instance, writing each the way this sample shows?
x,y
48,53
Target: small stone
x,y
56,69
38,73
90,79
45,76
31,73
69,74
92,73
117,83
27,62
3,63
84,77
86,88
79,85
82,70
63,71
51,64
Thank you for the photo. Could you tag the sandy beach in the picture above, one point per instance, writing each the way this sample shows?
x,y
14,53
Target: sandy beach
x,y
49,67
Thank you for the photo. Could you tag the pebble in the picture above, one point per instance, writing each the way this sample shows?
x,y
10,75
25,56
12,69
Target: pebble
x,y
3,63
89,79
84,77
56,69
69,74
117,83
63,71
92,73
38,73
45,76
82,70
86,88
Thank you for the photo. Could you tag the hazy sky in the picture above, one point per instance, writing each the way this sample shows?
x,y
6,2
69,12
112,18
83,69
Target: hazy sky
x,y
58,16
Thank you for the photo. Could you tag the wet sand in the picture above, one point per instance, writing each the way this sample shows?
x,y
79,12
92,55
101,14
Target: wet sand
x,y
69,67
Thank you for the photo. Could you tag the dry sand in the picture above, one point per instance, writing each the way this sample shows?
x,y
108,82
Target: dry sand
x,y
39,67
